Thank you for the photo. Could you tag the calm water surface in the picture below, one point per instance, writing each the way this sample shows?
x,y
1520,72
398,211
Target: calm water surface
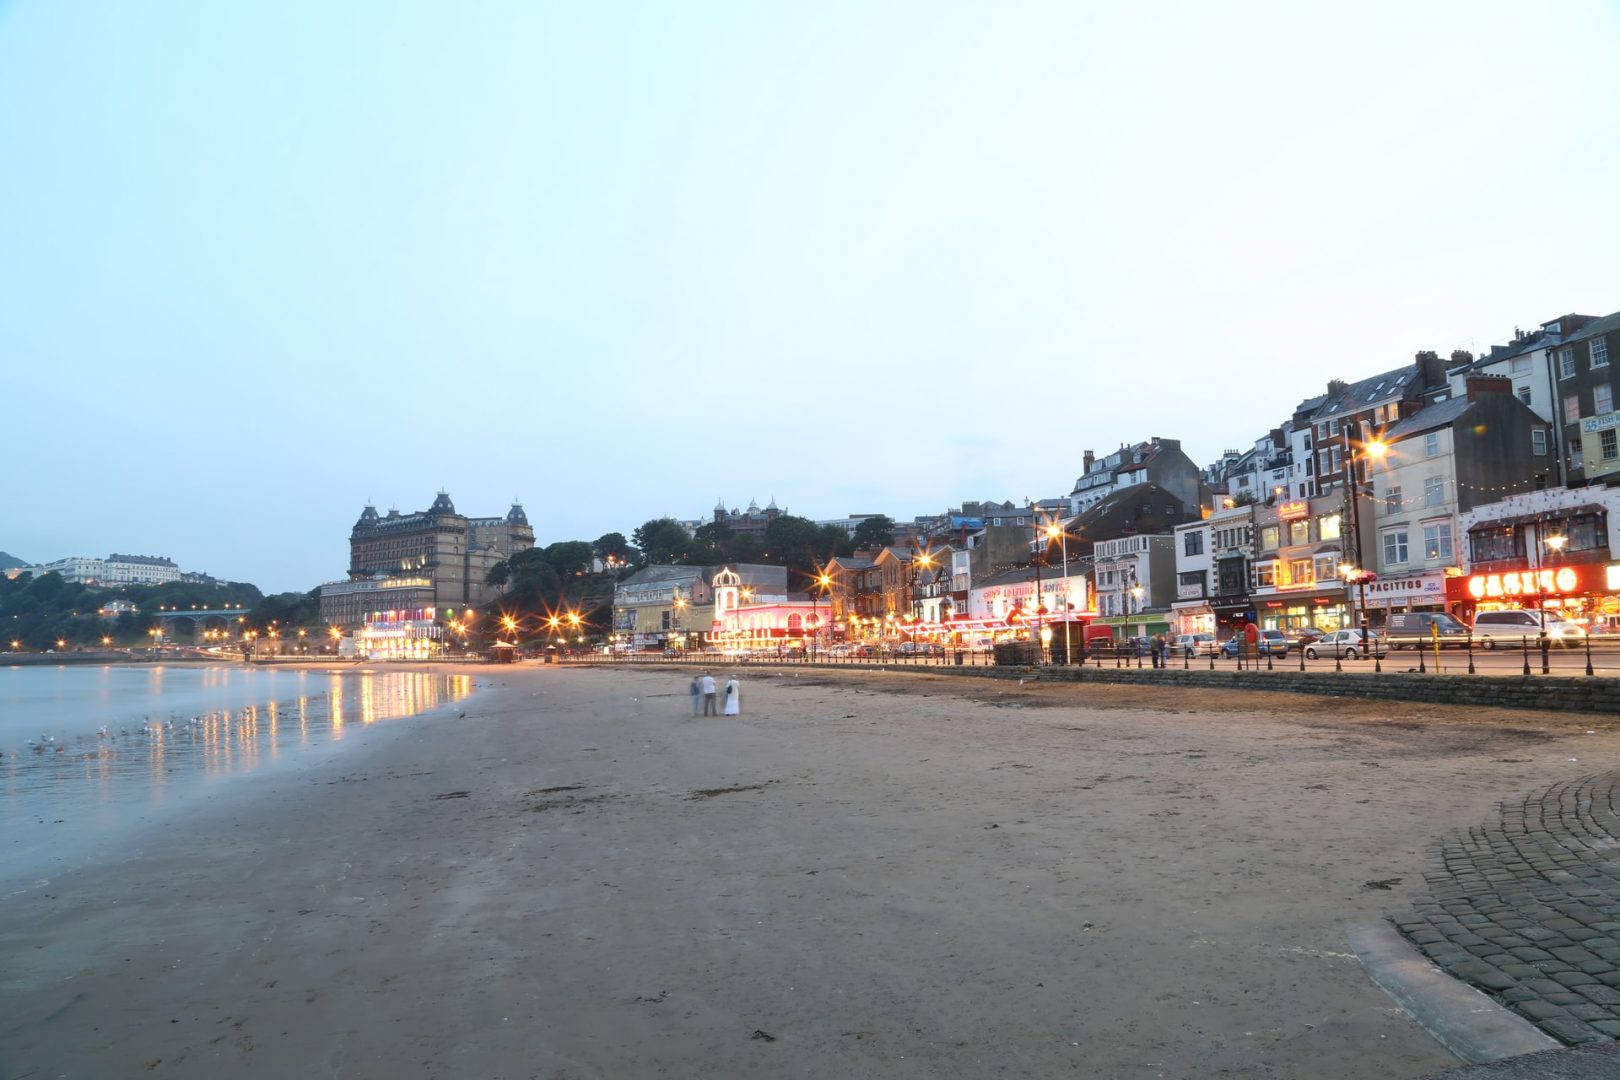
x,y
84,750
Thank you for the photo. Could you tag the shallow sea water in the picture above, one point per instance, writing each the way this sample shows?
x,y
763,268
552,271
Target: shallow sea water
x,y
85,750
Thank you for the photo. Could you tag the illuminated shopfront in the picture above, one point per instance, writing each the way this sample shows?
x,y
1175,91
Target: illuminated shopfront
x,y
411,634
1581,592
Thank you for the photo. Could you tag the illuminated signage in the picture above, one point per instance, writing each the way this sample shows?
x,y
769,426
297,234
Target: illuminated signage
x,y
1293,511
1524,583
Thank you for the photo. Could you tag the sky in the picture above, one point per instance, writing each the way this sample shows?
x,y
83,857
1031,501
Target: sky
x,y
263,262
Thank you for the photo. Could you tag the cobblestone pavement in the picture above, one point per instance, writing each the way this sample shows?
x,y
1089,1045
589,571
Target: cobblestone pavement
x,y
1527,910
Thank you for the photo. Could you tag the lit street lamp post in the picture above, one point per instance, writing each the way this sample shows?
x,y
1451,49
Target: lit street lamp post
x,y
1062,535
1355,455
1554,546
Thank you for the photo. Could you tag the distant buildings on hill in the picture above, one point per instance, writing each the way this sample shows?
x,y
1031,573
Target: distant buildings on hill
x,y
115,571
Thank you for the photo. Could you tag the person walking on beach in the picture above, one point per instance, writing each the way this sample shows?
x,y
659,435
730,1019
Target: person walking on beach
x,y
733,697
708,697
697,693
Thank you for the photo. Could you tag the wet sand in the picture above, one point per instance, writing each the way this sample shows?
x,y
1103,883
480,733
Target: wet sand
x,y
863,875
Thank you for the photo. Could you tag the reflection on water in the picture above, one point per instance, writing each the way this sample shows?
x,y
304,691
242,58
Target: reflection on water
x,y
166,745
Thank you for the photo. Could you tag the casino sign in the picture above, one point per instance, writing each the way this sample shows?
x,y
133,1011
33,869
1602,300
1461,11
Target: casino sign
x,y
1512,584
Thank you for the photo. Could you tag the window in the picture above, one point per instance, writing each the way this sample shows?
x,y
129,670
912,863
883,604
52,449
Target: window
x,y
1327,527
1268,537
1538,441
1327,567
1609,444
1524,394
1392,500
1437,541
1434,491
1521,364
1395,546
1194,542
1566,363
1265,576
1431,444
1572,409
1299,571
1299,532
1602,399
1600,352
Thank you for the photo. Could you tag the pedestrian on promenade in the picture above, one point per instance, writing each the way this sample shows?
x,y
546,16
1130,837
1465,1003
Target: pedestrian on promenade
x,y
697,693
1164,650
733,697
708,697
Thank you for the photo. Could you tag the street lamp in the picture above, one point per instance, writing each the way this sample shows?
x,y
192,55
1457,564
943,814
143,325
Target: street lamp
x,y
1355,455
1055,530
1359,576
1555,547
824,584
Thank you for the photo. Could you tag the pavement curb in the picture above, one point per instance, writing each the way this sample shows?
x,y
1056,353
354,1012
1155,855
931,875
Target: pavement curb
x,y
1460,1018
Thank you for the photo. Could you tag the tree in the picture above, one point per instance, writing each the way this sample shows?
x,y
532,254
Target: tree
x,y
569,557
797,541
664,540
874,532
612,545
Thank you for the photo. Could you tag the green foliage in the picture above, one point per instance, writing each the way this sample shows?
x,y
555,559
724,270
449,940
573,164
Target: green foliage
x,y
39,611
613,545
873,532
799,542
287,610
664,541
570,558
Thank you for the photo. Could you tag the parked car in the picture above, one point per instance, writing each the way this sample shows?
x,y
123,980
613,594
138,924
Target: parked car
x,y
1347,645
1512,625
920,648
1270,643
1419,629
1195,645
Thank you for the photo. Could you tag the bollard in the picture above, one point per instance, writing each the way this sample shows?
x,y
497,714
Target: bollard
x,y
1545,669
1587,638
1470,646
1524,644
1421,667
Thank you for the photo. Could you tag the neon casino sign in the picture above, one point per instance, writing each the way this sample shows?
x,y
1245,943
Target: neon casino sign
x,y
1524,583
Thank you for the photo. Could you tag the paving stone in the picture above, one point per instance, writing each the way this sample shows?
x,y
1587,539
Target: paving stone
x,y
1573,954
1544,986
1512,994
1540,1010
1602,995
1573,978
1572,1031
1529,954
1608,1027
1589,1012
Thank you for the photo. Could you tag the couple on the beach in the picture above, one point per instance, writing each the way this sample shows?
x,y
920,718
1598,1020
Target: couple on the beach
x,y
703,687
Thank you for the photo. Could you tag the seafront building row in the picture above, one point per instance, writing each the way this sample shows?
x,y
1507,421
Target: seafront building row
x,y
1455,485
1451,484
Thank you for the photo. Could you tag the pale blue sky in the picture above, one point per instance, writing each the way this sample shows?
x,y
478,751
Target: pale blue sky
x,y
260,262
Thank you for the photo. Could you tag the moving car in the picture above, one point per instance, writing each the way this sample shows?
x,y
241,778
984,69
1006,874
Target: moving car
x,y
1420,629
1347,645
1271,643
1514,625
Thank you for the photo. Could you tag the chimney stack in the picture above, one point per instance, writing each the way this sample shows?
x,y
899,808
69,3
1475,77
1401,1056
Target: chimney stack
x,y
1487,384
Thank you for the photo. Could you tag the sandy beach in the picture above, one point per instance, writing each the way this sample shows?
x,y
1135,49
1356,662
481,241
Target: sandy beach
x,y
862,875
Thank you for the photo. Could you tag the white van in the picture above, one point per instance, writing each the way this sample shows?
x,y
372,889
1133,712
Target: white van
x,y
1510,626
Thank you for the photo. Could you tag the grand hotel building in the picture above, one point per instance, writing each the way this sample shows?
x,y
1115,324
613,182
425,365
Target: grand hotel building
x,y
406,570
